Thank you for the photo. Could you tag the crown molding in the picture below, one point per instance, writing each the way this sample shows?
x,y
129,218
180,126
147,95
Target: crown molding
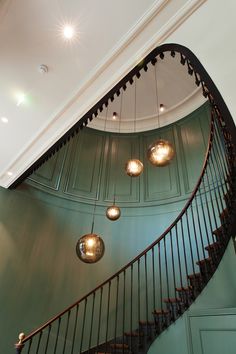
x,y
157,24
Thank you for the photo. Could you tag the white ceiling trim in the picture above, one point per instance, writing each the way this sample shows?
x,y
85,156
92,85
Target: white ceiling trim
x,y
162,19
144,123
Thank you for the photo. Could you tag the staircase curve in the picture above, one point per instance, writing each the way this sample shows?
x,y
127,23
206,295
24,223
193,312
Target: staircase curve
x,y
129,310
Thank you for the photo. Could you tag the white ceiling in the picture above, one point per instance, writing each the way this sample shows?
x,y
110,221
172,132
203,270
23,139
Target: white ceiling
x,y
167,83
112,36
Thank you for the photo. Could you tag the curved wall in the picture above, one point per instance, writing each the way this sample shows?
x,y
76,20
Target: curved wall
x,y
91,166
209,325
40,273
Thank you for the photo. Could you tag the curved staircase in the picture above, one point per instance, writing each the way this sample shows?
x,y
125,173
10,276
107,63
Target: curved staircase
x,y
130,309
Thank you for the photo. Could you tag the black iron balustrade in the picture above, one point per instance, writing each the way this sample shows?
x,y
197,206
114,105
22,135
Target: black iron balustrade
x,y
127,311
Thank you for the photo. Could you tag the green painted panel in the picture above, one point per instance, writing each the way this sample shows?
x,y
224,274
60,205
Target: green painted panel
x,y
84,165
120,149
161,182
93,167
193,144
49,174
213,333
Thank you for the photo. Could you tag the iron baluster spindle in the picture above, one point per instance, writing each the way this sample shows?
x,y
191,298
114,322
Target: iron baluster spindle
x,y
83,325
99,316
178,256
58,330
67,326
91,324
108,310
48,336
75,328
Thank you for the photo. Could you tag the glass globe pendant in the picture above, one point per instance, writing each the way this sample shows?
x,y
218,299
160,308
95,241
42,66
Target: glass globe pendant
x,y
90,248
113,212
160,153
134,167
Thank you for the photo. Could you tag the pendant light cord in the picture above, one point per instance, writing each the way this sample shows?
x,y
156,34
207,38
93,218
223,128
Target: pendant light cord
x,y
95,204
116,157
157,99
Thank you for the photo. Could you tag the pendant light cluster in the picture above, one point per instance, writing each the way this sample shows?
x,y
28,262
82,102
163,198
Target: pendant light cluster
x,y
160,152
134,167
90,247
113,212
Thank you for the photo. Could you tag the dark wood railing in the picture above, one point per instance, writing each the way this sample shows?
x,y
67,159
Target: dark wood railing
x,y
128,310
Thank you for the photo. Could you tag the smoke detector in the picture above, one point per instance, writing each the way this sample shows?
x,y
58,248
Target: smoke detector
x,y
43,69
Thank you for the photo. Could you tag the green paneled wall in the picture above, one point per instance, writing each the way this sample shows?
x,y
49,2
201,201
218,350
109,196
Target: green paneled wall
x,y
39,227
91,167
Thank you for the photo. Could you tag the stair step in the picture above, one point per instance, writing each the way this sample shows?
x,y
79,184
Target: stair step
x,y
207,267
229,199
176,307
146,323
119,346
148,329
214,245
194,275
184,289
172,300
196,281
215,251
203,261
187,294
219,234
224,215
161,312
134,334
162,320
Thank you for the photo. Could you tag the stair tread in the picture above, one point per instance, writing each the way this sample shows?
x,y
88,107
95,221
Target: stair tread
x,y
219,231
161,312
119,345
134,334
205,260
184,288
146,323
172,300
224,213
194,275
213,245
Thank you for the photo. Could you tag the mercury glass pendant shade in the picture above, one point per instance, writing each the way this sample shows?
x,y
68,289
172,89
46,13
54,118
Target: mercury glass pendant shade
x,y
90,248
134,167
113,212
160,153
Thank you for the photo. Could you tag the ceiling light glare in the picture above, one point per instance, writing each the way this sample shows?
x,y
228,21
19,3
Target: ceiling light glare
x,y
20,99
4,120
9,173
68,32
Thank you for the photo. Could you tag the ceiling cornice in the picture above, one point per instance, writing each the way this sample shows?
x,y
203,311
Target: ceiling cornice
x,y
161,20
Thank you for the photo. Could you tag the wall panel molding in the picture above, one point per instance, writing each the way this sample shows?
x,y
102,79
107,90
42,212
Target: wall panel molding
x,y
92,166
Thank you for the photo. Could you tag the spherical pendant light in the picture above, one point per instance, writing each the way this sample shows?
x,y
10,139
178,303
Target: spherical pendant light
x,y
160,153
113,212
90,248
134,167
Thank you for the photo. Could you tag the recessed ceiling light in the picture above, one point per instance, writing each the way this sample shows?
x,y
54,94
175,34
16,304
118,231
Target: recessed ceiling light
x,y
4,120
68,32
20,99
9,173
162,107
